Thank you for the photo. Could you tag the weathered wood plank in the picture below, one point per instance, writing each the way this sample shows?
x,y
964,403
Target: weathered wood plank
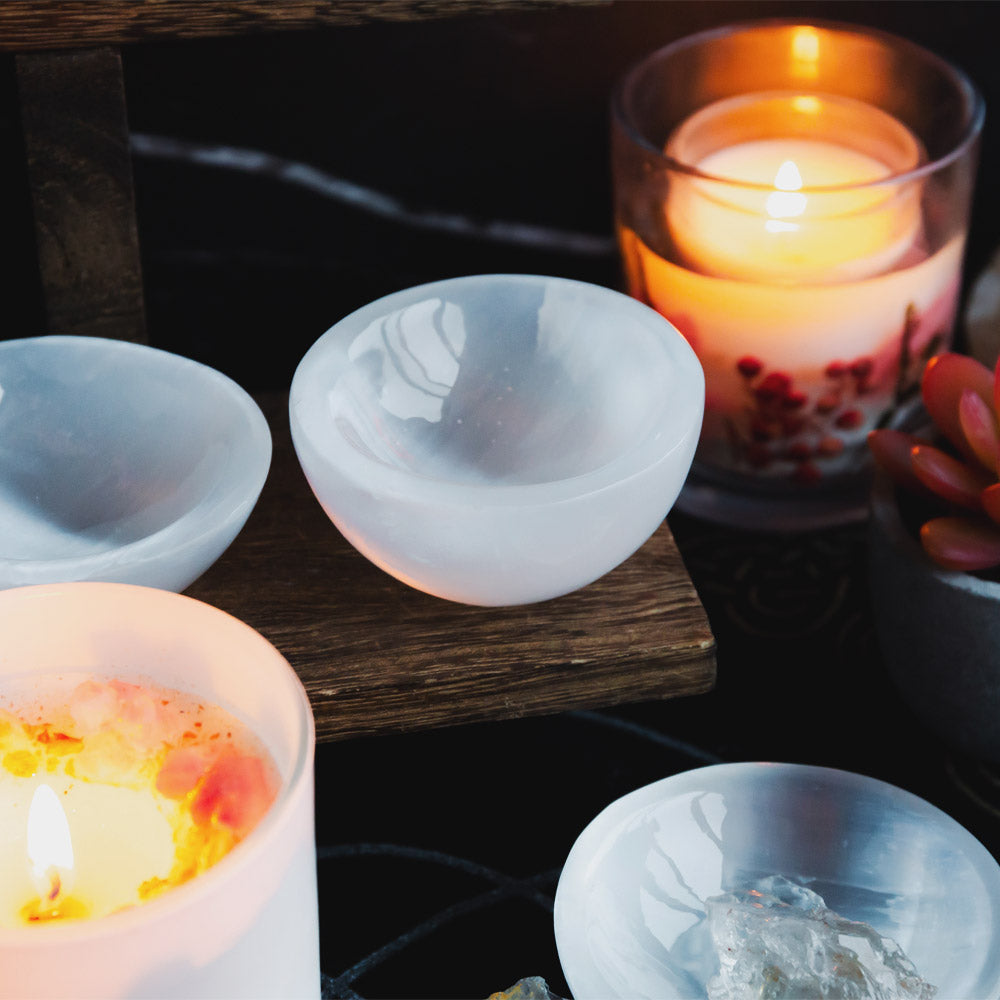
x,y
377,656
80,176
54,24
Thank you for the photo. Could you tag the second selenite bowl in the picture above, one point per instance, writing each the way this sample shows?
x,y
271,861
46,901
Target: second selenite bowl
x,y
498,439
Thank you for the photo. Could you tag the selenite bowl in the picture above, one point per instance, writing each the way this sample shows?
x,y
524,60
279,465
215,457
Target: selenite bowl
x,y
498,439
630,917
121,463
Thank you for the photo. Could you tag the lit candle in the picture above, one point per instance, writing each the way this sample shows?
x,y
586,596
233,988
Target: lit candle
x,y
50,851
156,801
157,785
797,266
771,202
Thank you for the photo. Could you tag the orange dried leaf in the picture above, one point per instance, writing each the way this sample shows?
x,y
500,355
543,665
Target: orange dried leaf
x,y
949,478
979,425
991,501
961,543
944,380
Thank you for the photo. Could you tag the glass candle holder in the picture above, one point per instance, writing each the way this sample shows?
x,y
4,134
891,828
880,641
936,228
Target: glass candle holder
x,y
794,197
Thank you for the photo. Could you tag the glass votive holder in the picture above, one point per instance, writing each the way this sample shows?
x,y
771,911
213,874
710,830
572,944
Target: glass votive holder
x,y
794,197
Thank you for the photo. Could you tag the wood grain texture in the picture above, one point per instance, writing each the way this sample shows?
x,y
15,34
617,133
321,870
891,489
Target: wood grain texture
x,y
80,177
58,24
377,656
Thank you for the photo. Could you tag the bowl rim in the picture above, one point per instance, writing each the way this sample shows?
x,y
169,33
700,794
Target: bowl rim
x,y
598,835
686,402
148,547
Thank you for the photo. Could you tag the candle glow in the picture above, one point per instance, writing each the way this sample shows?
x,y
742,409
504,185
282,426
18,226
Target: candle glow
x,y
796,263
129,790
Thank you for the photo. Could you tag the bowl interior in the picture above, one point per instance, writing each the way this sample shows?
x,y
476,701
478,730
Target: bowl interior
x,y
103,443
630,912
497,379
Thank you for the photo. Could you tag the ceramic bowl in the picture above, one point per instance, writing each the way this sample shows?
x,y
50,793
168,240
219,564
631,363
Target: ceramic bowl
x,y
630,913
498,439
121,462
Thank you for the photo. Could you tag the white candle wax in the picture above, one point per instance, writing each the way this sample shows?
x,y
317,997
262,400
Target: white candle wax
x,y
793,188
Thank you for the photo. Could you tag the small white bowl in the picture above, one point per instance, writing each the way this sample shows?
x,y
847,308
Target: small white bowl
x,y
121,463
498,439
630,917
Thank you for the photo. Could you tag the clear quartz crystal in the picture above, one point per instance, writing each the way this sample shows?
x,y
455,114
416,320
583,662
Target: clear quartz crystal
x,y
779,941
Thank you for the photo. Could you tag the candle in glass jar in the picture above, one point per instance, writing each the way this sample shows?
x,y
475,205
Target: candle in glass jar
x,y
797,266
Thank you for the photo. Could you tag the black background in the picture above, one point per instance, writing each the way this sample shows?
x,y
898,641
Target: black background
x,y
439,852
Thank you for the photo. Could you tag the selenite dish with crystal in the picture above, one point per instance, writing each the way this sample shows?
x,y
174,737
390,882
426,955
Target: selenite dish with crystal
x,y
660,893
121,463
498,439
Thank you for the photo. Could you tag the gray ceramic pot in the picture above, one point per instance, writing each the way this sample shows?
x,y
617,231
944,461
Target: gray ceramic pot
x,y
939,632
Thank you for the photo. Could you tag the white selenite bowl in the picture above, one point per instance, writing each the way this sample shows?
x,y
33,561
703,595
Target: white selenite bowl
x,y
121,463
498,439
630,917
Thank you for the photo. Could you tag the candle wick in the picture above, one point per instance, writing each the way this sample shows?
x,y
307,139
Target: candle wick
x,y
55,886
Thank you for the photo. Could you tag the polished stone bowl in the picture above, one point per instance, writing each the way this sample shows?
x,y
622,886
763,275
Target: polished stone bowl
x,y
498,439
630,913
121,463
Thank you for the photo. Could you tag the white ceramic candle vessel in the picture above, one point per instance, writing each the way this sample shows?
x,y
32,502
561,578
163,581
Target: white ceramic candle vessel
x,y
246,927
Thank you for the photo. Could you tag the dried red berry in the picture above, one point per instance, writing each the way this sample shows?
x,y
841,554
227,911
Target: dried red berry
x,y
773,386
861,368
836,369
794,400
749,366
849,419
829,446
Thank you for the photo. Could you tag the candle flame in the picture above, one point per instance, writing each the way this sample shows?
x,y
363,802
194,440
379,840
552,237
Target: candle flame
x,y
50,848
788,177
805,44
788,201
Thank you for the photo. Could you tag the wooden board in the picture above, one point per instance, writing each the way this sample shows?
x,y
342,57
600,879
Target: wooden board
x,y
57,24
377,656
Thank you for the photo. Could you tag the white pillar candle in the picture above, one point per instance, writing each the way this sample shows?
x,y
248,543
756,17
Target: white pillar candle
x,y
792,188
125,882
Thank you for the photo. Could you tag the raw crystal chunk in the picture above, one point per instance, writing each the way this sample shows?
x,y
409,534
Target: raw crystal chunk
x,y
779,941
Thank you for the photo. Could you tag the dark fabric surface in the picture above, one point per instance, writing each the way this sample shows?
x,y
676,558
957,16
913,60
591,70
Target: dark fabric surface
x,y
283,181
